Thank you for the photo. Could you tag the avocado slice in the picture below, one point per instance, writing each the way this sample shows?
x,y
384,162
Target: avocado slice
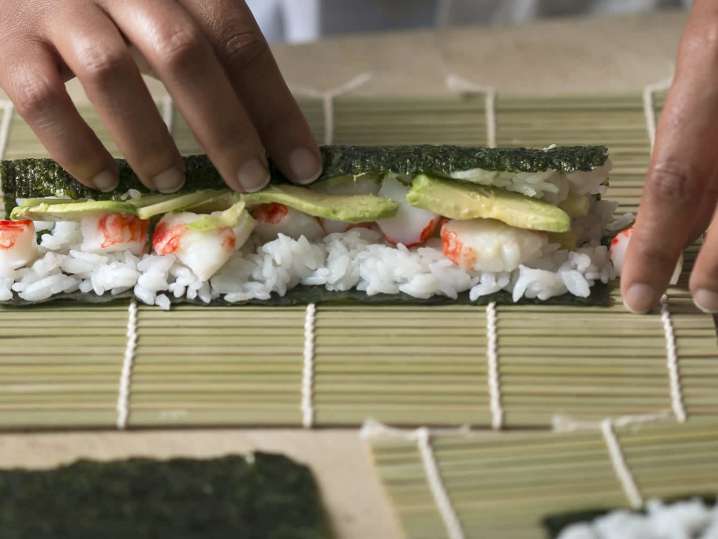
x,y
346,208
468,201
71,211
576,205
161,204
229,218
363,184
567,240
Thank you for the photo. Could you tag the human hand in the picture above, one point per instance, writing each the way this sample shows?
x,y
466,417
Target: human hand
x,y
681,190
210,55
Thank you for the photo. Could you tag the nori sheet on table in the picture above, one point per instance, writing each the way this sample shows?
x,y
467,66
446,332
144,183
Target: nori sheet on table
x,y
303,295
555,524
36,178
269,497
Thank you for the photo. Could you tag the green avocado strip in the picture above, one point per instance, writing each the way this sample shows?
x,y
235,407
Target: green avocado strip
x,y
172,203
71,211
346,208
469,201
40,178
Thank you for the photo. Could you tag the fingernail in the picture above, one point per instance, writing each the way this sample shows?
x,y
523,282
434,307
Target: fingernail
x,y
253,175
105,181
169,181
305,165
706,300
640,298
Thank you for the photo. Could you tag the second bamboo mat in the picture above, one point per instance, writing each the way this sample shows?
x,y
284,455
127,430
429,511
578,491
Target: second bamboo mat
x,y
502,485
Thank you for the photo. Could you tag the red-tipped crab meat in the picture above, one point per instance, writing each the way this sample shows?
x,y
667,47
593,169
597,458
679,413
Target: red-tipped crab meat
x,y
489,245
274,219
410,226
114,232
18,245
202,251
619,247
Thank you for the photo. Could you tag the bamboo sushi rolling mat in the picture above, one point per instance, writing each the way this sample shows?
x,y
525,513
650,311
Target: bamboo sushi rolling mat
x,y
70,366
456,485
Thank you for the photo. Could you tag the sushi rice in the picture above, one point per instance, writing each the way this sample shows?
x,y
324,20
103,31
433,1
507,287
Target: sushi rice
x,y
358,258
690,519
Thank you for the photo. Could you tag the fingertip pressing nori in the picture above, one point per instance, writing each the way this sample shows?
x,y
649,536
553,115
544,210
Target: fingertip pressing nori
x,y
269,497
555,524
36,178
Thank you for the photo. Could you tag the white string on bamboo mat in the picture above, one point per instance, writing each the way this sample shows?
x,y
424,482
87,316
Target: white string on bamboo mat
x,y
328,98
436,485
422,437
461,85
562,423
123,394
649,108
494,376
372,429
308,369
619,465
674,376
167,111
7,112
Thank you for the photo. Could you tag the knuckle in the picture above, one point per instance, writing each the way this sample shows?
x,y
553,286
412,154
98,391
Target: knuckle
x,y
240,45
99,63
179,46
672,183
34,94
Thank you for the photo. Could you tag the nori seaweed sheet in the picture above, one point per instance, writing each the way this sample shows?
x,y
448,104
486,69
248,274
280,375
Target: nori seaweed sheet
x,y
36,178
303,295
555,524
271,497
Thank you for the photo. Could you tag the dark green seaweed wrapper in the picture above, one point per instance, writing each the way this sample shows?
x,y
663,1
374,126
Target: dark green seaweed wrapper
x,y
270,497
36,178
555,524
303,295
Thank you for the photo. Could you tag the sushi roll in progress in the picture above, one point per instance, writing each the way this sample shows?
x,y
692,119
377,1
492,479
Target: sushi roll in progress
x,y
397,222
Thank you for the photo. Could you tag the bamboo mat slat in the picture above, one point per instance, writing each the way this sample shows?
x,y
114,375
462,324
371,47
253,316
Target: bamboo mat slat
x,y
503,485
60,365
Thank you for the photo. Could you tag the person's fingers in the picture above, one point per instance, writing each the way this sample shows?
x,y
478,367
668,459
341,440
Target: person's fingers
x,y
683,166
96,52
255,76
183,58
704,278
35,85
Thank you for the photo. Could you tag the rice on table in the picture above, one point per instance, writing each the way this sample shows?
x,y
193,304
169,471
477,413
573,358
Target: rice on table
x,y
408,221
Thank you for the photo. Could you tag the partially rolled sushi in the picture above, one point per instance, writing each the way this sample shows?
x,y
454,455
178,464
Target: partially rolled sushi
x,y
404,223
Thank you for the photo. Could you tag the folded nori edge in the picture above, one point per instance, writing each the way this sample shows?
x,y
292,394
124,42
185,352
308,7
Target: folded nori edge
x,y
303,295
269,497
555,524
37,178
